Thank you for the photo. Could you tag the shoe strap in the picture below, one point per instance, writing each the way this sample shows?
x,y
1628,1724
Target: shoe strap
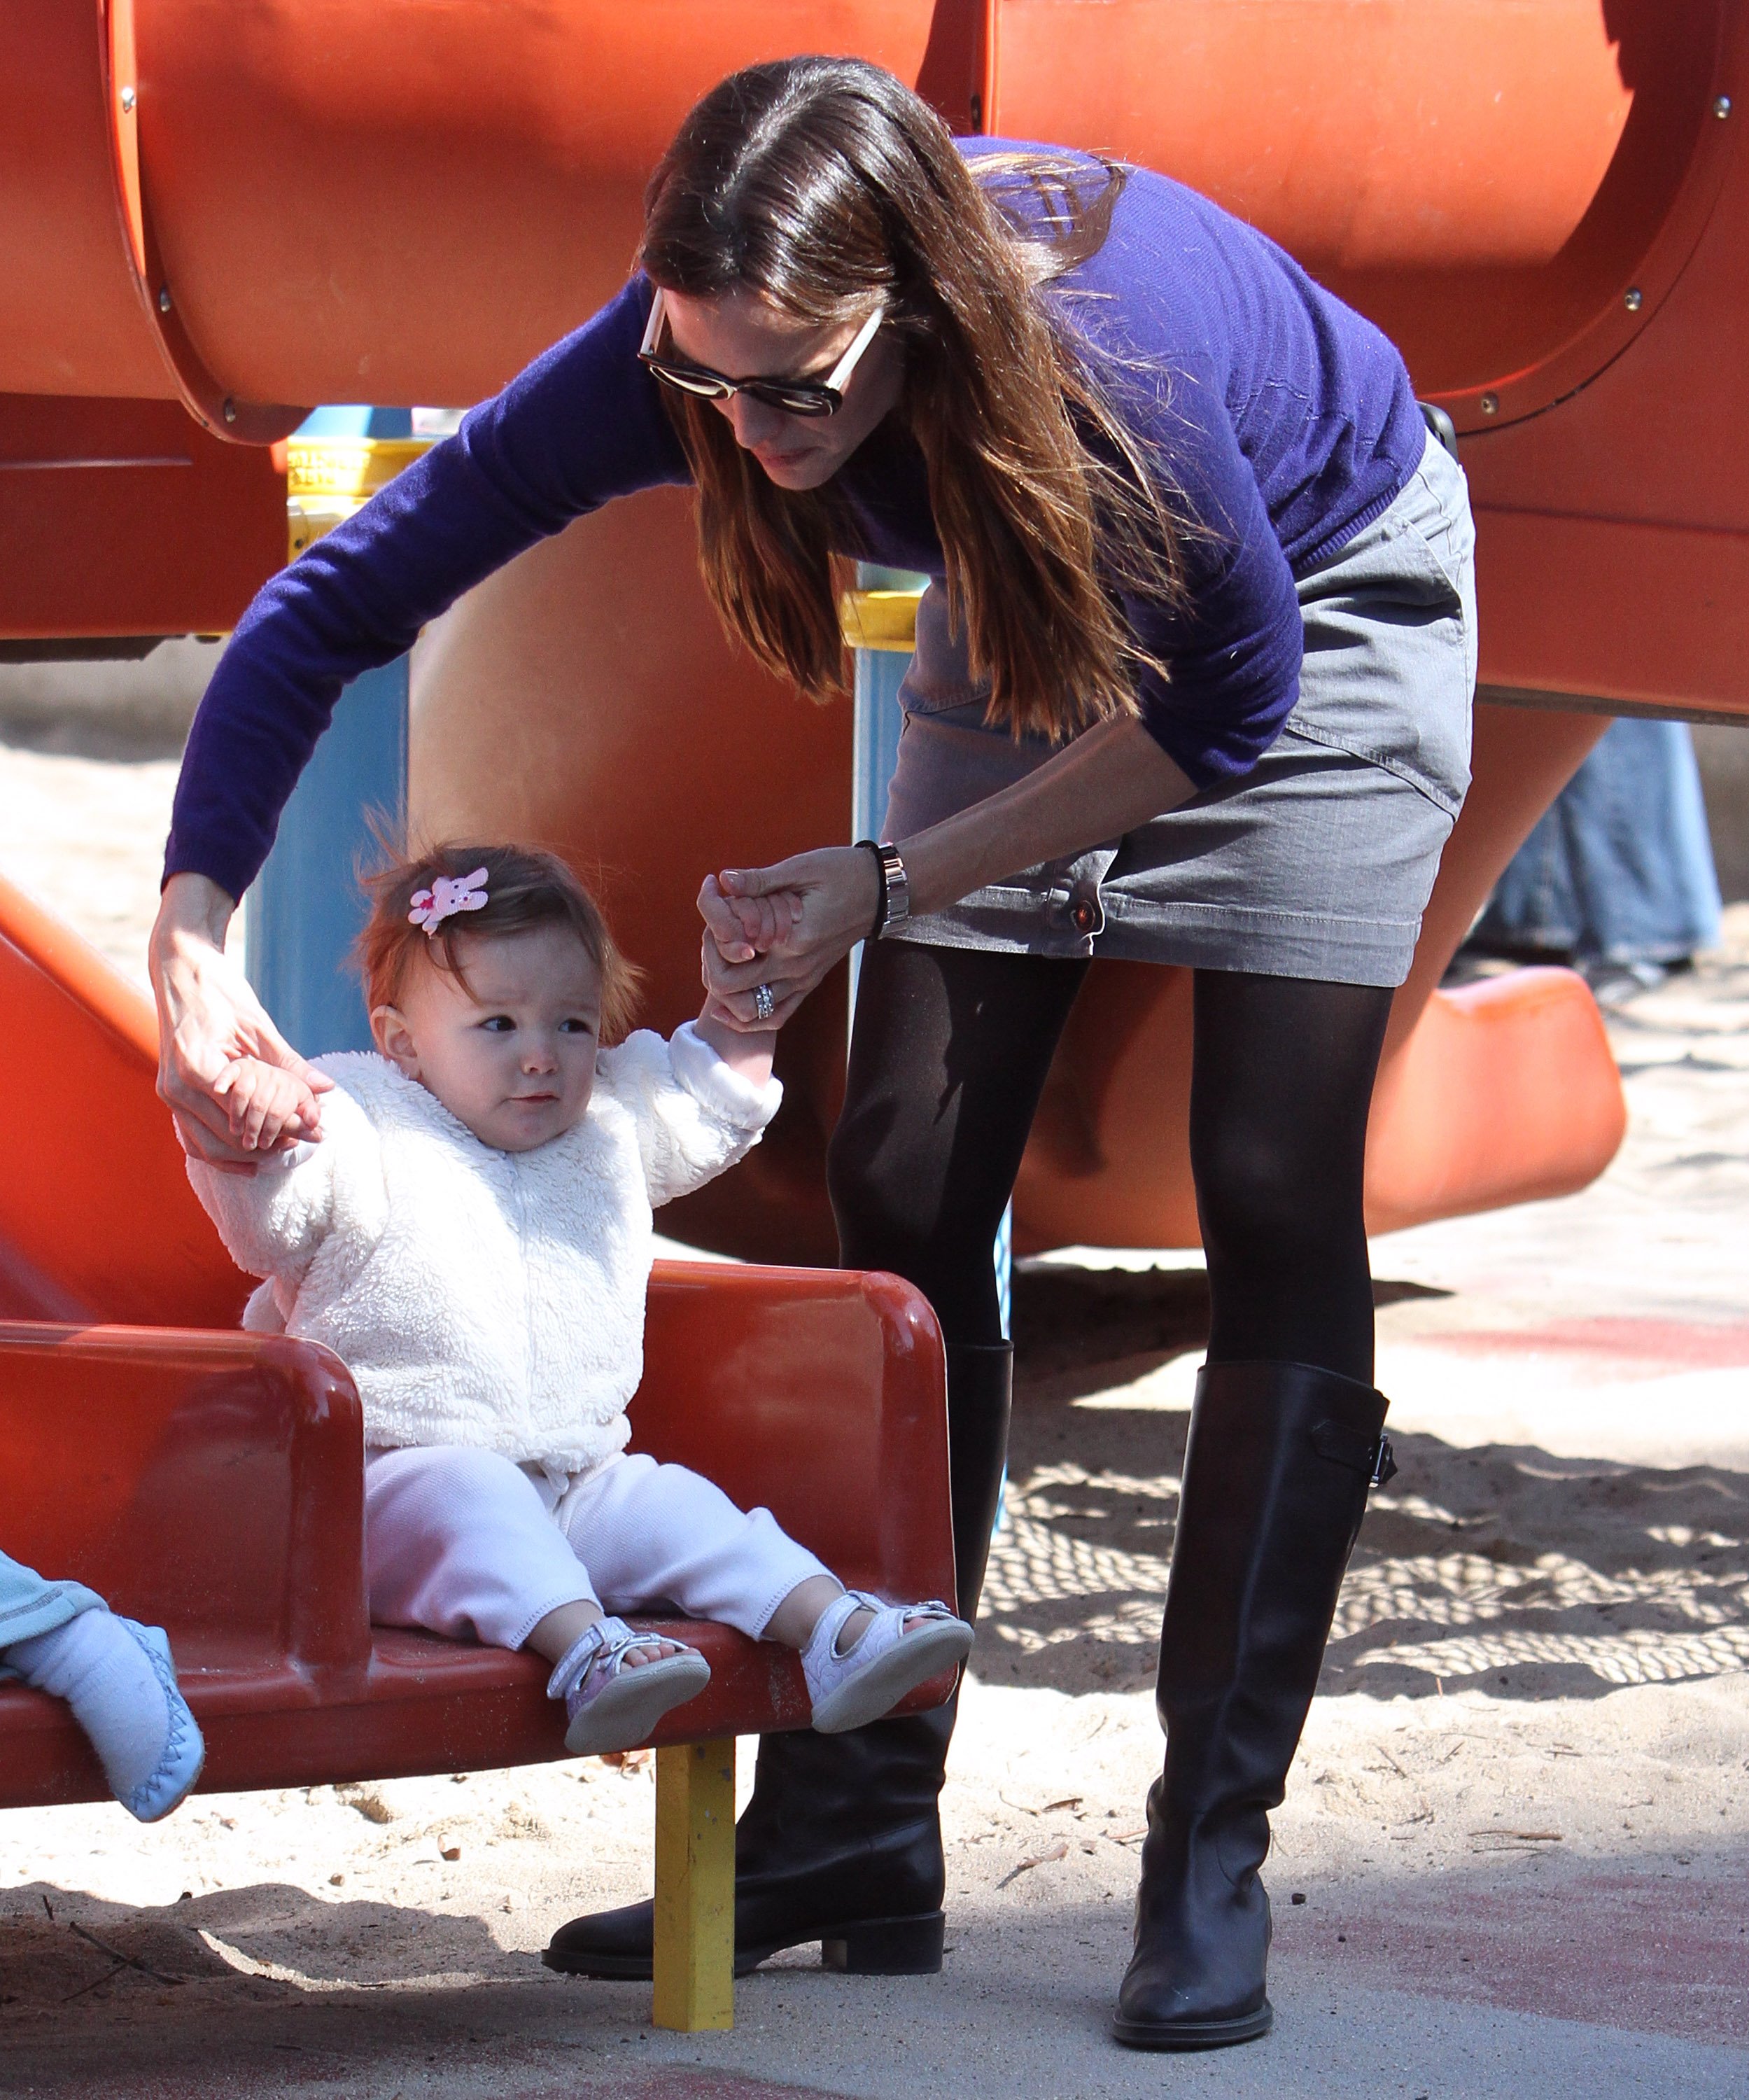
x,y
823,1642
603,1647
830,1623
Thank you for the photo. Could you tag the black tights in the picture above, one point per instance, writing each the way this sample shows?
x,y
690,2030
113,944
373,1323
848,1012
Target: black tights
x,y
948,1060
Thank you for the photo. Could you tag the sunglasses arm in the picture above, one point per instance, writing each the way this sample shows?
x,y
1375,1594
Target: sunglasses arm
x,y
841,372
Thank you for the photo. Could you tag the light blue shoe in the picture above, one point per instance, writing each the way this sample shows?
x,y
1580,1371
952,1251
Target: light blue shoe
x,y
168,1785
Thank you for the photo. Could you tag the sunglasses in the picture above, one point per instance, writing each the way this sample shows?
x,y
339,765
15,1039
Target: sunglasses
x,y
795,397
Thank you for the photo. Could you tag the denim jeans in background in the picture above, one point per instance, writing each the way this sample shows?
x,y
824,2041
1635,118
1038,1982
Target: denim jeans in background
x,y
1617,875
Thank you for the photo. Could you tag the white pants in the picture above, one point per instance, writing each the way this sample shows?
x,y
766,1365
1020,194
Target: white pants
x,y
467,1543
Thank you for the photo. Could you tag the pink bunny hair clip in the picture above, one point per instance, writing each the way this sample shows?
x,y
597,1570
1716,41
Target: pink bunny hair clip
x,y
445,896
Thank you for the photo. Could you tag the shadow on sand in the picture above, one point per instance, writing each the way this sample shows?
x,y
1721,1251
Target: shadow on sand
x,y
1543,1577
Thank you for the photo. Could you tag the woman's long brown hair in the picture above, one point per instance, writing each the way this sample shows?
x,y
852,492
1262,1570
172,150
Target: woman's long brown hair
x,y
826,187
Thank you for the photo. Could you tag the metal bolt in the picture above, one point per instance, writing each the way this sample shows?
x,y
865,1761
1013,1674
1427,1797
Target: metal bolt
x,y
1721,107
164,298
127,97
1490,402
231,412
1633,299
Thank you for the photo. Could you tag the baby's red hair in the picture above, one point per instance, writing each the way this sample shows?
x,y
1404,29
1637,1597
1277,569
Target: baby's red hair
x,y
525,888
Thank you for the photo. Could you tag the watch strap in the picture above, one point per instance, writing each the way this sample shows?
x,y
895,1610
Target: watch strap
x,y
895,905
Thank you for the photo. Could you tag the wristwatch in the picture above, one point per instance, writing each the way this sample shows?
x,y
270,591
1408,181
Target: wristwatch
x,y
895,906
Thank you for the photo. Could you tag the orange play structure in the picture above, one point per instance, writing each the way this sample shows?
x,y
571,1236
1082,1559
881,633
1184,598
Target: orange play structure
x,y
213,217
1543,200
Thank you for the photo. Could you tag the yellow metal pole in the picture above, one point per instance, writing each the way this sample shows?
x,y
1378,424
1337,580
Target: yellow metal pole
x,y
695,1886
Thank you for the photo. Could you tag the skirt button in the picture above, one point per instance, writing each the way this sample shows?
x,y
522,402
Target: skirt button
x,y
1086,914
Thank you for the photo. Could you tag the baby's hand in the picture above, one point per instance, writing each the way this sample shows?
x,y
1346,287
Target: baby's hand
x,y
268,1108
766,922
744,927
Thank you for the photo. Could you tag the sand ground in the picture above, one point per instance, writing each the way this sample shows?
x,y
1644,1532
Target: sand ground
x,y
1519,1820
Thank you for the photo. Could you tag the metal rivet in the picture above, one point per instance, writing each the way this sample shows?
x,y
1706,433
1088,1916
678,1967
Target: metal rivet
x,y
1633,299
1721,107
164,298
231,412
127,97
1489,404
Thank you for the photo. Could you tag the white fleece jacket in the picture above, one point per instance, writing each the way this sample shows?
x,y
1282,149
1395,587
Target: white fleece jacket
x,y
479,1297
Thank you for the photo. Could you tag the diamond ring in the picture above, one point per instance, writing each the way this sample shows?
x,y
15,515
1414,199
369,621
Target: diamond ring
x,y
764,1003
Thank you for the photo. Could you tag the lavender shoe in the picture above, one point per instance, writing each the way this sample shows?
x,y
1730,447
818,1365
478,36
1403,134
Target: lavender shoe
x,y
609,1707
169,1784
905,1644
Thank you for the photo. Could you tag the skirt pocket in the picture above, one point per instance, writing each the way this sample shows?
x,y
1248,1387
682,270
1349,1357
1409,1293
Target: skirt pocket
x,y
1388,670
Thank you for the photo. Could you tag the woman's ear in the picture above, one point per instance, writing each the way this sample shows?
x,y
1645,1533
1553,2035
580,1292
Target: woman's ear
x,y
394,1038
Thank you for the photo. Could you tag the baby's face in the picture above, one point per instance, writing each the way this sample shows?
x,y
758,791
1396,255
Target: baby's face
x,y
512,1053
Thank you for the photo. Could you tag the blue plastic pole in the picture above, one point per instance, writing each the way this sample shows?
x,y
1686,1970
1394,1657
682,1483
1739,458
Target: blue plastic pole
x,y
306,909
880,674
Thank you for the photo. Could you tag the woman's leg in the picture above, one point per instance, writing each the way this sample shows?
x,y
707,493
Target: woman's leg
x,y
842,1841
950,1053
1285,1436
1281,1085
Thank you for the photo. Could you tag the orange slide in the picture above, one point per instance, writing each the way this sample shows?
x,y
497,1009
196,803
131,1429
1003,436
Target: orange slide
x,y
210,218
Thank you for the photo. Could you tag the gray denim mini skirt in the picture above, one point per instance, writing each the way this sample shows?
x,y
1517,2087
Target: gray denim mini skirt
x,y
1318,863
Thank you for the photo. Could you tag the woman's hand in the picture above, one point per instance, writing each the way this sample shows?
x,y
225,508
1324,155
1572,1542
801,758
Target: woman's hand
x,y
209,1018
784,927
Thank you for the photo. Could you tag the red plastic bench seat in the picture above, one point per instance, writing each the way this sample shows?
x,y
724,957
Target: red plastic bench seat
x,y
212,1483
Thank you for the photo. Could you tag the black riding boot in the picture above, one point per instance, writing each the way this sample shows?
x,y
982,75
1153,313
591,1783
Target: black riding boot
x,y
1275,1478
841,1841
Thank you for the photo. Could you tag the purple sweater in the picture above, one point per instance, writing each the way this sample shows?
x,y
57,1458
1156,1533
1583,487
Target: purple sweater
x,y
1286,420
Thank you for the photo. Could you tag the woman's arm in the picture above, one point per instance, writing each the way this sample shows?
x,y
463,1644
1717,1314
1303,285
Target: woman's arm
x,y
1106,783
1103,784
582,425
1234,648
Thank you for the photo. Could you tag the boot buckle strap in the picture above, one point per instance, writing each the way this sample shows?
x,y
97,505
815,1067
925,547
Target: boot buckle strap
x,y
1342,1446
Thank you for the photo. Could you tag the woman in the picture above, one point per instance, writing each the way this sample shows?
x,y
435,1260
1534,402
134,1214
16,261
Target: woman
x,y
1192,686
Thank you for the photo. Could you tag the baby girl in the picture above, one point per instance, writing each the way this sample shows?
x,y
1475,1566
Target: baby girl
x,y
472,1235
